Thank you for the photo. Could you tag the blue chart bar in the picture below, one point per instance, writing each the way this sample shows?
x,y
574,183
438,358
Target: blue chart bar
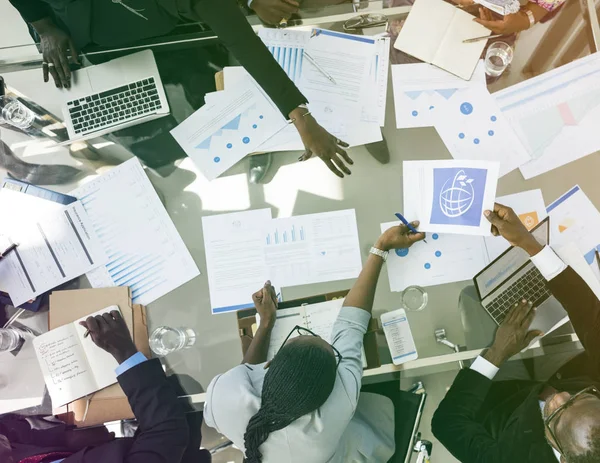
x,y
293,233
301,233
287,236
276,237
290,59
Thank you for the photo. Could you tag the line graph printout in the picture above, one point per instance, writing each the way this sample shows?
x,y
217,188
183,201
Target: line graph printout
x,y
556,115
145,251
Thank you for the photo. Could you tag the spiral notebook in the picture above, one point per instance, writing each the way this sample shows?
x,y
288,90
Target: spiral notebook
x,y
319,318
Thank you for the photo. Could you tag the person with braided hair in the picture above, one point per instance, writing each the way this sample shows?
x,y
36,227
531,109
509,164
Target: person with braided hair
x,y
305,404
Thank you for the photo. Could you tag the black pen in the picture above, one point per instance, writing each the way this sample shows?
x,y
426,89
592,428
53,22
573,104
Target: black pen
x,y
8,250
598,258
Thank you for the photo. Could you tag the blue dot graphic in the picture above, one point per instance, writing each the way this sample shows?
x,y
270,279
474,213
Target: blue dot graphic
x,y
261,117
246,140
415,113
466,108
431,107
461,135
493,118
438,253
254,126
402,252
435,236
476,141
427,265
491,133
217,159
229,145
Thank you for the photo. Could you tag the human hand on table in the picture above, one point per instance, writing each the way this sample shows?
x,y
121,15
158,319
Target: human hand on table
x,y
55,44
513,334
273,11
508,24
507,224
109,332
399,237
320,142
265,301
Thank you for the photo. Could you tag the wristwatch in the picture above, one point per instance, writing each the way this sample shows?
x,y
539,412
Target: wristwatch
x,y
530,16
380,253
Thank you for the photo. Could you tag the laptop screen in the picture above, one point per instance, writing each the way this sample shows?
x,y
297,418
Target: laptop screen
x,y
509,262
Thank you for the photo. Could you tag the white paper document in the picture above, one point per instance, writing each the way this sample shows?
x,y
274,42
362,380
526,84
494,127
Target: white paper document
x,y
445,258
56,245
145,250
312,248
450,196
351,107
244,249
556,115
72,365
472,127
572,256
434,32
421,89
531,209
235,259
221,133
574,218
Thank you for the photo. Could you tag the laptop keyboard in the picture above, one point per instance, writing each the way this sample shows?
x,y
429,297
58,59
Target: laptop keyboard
x,y
115,106
531,286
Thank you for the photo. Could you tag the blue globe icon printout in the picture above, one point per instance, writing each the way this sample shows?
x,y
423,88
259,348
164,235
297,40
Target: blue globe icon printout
x,y
458,196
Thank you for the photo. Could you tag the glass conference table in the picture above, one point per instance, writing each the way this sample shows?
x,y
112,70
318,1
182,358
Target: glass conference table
x,y
292,188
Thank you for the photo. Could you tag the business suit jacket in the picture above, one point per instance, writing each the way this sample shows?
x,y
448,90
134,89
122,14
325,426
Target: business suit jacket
x,y
162,436
105,23
480,421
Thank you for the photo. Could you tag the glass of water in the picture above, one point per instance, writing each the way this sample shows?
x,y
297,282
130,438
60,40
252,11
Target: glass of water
x,y
166,340
414,298
497,58
10,338
15,113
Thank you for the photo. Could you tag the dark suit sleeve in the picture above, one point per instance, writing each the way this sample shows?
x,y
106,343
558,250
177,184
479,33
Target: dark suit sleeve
x,y
32,10
226,20
583,308
163,433
455,422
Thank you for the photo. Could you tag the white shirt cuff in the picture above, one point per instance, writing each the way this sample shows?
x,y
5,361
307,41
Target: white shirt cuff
x,y
548,263
485,368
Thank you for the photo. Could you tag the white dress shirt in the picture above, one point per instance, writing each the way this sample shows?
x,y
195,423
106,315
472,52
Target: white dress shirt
x,y
345,429
550,266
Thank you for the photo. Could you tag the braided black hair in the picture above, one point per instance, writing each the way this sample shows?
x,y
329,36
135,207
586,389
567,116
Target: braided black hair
x,y
298,381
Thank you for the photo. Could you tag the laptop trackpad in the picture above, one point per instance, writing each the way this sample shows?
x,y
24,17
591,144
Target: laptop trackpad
x,y
548,315
110,75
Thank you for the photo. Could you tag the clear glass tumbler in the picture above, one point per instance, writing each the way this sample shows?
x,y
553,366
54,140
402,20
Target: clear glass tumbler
x,y
414,298
14,113
10,338
166,340
497,58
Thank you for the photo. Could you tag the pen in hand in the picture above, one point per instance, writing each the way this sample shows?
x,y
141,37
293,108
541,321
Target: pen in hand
x,y
407,223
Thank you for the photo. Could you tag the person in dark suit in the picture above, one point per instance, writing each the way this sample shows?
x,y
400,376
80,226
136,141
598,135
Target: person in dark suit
x,y
64,26
166,433
481,421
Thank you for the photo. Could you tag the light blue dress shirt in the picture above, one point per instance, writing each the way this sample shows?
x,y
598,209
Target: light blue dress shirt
x,y
128,364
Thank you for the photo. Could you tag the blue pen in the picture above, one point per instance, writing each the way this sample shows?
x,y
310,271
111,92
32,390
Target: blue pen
x,y
406,222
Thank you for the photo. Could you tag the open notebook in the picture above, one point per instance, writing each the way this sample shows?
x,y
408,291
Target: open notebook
x,y
434,32
73,366
319,318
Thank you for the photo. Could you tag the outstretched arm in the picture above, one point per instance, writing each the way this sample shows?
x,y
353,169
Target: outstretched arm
x,y
362,293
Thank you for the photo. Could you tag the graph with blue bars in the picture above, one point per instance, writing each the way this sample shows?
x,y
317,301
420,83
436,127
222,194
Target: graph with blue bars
x,y
290,59
291,235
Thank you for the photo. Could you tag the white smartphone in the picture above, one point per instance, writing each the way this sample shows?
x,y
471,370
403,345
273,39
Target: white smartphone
x,y
399,337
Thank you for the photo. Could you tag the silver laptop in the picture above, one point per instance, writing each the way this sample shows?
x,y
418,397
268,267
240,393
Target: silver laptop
x,y
111,96
513,277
